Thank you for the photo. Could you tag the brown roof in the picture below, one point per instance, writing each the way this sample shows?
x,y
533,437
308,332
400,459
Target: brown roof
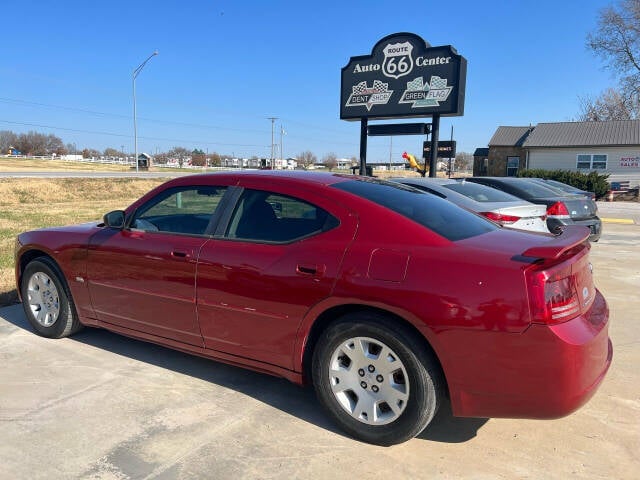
x,y
582,134
509,136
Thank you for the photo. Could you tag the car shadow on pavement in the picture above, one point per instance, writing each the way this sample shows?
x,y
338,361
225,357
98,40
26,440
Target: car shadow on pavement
x,y
276,392
445,428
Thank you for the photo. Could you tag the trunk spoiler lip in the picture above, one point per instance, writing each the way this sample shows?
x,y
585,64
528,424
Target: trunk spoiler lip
x,y
571,236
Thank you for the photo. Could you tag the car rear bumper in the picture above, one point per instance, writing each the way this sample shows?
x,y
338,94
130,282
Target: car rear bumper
x,y
545,372
594,224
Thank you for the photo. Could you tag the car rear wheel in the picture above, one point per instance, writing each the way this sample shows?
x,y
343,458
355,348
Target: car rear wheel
x,y
375,379
47,301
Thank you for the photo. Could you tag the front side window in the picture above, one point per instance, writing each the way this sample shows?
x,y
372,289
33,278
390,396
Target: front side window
x,y
181,210
270,217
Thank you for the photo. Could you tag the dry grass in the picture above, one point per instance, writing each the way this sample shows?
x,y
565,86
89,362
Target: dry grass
x,y
27,204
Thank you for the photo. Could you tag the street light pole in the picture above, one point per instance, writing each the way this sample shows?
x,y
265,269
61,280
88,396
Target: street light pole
x,y
282,132
136,72
273,122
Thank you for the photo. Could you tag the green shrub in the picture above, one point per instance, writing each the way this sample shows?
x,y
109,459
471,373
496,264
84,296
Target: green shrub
x,y
591,182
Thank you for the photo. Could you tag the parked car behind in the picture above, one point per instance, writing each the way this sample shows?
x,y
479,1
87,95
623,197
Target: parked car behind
x,y
496,205
388,300
562,208
566,188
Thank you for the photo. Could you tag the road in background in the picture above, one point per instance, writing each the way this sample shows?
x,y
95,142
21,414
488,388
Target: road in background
x,y
98,174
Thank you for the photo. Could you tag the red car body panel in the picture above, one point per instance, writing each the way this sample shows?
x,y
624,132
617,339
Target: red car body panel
x,y
255,304
145,282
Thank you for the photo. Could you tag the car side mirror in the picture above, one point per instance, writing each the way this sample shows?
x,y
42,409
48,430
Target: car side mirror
x,y
114,219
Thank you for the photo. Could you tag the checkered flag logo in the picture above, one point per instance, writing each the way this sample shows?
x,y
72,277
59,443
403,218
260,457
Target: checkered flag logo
x,y
380,87
437,83
416,84
362,95
360,88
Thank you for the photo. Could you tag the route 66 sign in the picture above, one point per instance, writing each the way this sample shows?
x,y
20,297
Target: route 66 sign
x,y
404,77
398,61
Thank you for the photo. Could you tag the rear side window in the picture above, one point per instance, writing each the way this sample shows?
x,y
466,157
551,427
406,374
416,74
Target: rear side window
x,y
480,193
441,216
270,217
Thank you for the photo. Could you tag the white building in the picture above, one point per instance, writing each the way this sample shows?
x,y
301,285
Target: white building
x,y
606,147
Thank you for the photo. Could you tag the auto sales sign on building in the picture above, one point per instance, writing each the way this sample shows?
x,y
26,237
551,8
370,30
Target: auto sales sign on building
x,y
403,77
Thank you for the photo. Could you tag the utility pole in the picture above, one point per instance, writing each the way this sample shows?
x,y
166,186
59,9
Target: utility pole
x,y
273,123
282,132
450,154
390,151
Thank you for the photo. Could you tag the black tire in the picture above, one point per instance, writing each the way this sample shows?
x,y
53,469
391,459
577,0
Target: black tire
x,y
423,383
55,301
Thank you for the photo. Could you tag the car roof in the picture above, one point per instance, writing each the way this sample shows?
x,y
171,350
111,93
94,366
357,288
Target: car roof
x,y
303,176
424,180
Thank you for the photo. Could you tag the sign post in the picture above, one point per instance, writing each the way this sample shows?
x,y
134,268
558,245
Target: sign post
x,y
363,145
403,77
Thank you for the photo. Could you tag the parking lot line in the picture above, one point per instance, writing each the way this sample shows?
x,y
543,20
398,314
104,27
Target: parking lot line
x,y
622,221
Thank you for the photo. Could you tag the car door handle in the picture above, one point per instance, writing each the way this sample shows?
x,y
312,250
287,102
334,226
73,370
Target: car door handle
x,y
307,269
178,254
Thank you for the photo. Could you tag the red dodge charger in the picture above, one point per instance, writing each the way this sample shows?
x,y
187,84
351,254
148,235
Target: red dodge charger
x,y
389,300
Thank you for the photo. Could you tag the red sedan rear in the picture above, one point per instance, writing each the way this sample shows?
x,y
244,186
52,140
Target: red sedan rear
x,y
389,300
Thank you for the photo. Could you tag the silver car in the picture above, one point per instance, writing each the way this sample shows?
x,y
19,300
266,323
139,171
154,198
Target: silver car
x,y
501,207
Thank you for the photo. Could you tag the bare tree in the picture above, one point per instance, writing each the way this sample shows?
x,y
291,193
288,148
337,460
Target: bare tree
x,y
180,154
90,153
617,41
306,159
8,139
215,159
330,160
34,143
462,161
112,152
610,105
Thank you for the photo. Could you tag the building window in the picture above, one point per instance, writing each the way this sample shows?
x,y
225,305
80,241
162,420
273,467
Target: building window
x,y
592,162
599,162
512,166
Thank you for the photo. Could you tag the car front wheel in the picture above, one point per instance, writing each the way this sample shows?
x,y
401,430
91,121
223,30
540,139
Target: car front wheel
x,y
47,301
375,379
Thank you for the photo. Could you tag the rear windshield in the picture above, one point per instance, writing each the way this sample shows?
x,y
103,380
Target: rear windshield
x,y
533,189
480,193
441,216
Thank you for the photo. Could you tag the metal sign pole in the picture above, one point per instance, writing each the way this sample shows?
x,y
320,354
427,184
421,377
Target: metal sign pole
x,y
364,121
435,131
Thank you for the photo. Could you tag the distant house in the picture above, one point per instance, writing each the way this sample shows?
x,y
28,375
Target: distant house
x,y
506,153
608,147
144,160
480,162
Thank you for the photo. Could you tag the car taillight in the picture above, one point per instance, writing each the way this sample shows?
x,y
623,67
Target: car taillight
x,y
553,296
558,210
499,218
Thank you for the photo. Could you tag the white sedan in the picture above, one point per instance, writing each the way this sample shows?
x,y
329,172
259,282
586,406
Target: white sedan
x,y
500,207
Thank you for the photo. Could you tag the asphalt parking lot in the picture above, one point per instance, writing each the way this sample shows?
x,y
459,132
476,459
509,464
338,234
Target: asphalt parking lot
x,y
102,406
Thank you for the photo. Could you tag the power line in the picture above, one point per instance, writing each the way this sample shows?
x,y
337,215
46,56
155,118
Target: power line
x,y
118,115
17,101
193,142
